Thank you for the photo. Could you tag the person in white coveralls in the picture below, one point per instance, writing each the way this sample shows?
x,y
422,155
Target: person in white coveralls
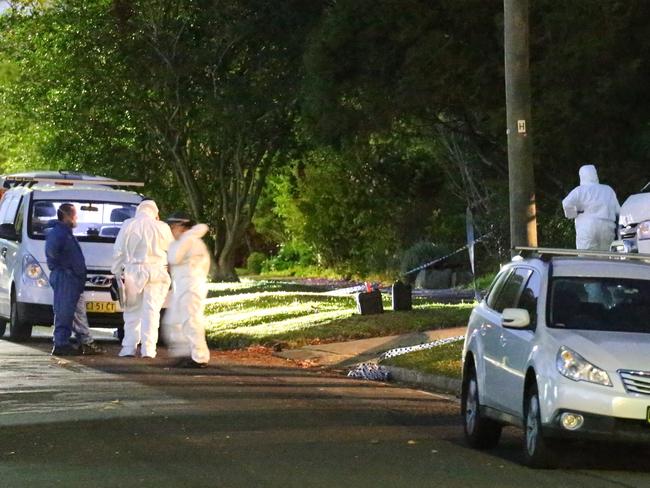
x,y
595,208
140,259
189,263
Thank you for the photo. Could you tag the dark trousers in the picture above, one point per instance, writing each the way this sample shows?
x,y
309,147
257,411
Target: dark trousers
x,y
68,289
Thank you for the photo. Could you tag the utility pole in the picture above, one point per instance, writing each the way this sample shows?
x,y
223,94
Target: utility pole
x,y
521,179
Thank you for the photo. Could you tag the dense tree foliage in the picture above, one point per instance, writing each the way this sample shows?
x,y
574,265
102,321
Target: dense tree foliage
x,y
202,93
344,131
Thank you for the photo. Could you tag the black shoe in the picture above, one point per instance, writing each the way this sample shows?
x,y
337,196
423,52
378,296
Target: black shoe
x,y
65,351
191,364
91,349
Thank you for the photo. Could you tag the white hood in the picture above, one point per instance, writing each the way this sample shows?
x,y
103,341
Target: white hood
x,y
608,350
588,175
635,209
98,255
149,208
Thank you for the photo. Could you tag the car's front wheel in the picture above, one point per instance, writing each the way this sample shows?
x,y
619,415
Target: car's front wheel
x,y
538,450
480,432
19,330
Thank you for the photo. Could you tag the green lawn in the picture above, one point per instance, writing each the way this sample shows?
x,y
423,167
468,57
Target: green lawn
x,y
266,312
442,360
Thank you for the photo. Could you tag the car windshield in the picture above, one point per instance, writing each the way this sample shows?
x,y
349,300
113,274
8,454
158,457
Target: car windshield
x,y
96,221
608,304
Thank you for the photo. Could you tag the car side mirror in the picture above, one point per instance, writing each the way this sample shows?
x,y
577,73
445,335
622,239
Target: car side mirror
x,y
515,318
8,231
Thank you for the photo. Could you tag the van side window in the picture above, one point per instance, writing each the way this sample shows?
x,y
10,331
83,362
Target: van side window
x,y
8,210
4,204
511,290
18,223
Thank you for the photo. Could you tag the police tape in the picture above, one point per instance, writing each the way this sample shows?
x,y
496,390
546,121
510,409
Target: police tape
x,y
419,347
437,260
369,371
376,372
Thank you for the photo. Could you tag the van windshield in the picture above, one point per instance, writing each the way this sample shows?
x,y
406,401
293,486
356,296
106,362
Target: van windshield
x,y
609,304
96,221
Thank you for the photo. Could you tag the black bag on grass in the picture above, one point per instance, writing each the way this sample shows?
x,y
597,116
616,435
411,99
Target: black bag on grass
x,y
402,296
369,302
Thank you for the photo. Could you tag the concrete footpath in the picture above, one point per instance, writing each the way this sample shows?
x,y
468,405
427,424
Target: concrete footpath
x,y
341,355
345,354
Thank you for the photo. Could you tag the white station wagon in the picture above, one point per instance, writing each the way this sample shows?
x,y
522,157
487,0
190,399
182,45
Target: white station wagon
x,y
28,210
561,347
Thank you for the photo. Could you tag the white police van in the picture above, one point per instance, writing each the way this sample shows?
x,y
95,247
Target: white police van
x,y
28,210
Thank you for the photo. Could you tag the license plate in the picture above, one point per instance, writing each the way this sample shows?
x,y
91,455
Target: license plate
x,y
101,307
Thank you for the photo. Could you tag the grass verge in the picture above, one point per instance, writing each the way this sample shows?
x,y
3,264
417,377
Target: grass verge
x,y
442,360
267,312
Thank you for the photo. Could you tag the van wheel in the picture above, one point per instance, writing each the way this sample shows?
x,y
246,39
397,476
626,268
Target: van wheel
x,y
480,432
19,330
539,451
3,327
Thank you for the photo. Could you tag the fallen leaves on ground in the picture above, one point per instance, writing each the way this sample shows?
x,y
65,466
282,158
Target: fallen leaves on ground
x,y
260,356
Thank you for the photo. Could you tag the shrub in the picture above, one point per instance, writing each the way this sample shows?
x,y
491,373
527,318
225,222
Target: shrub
x,y
290,255
421,253
483,282
254,262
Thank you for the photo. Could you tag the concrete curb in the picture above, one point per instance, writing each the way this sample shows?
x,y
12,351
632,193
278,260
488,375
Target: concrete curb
x,y
438,382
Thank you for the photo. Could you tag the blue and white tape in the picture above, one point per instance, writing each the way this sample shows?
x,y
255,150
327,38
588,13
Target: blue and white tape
x,y
375,372
419,347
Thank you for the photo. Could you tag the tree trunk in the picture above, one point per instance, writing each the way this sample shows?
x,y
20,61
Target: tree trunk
x,y
224,267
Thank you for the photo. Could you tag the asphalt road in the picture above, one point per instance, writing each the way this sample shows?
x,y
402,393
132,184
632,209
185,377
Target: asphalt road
x,y
107,421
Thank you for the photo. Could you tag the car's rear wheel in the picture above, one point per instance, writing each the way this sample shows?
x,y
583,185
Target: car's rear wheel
x,y
538,450
19,330
480,432
3,327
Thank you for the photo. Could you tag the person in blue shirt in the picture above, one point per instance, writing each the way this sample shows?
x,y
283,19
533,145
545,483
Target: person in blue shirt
x,y
68,278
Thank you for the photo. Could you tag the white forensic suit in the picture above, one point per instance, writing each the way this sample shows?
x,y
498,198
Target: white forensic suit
x,y
595,208
140,257
189,262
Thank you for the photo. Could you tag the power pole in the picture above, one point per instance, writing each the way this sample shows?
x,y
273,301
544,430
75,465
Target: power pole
x,y
521,179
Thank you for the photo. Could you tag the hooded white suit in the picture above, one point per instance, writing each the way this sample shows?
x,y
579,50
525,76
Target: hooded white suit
x,y
594,207
189,262
140,256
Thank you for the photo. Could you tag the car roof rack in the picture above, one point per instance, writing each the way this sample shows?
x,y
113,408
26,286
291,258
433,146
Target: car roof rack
x,y
29,181
546,253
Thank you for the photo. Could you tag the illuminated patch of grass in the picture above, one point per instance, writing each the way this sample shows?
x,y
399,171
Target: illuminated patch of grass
x,y
266,317
253,286
250,313
442,360
267,299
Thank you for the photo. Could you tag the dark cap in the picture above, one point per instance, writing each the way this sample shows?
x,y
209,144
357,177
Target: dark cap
x,y
179,218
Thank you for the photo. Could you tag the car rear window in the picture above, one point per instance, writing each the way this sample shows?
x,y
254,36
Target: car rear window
x,y
96,221
607,304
